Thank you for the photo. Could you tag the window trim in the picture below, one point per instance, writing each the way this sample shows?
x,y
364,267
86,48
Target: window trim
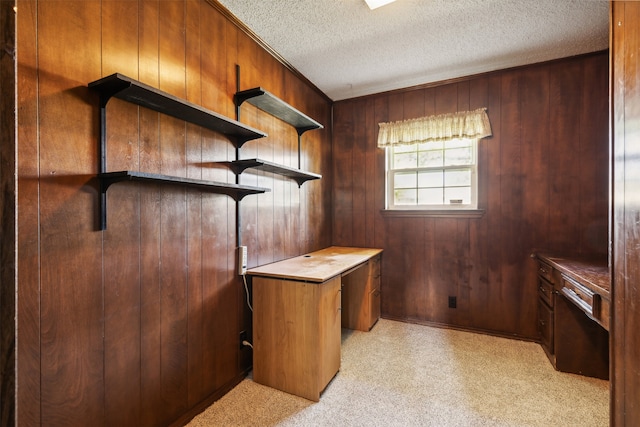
x,y
443,210
433,213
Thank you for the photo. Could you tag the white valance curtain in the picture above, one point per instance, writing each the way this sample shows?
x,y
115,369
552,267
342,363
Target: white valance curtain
x,y
466,124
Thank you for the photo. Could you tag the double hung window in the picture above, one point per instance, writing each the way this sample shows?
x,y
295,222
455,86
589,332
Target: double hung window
x,y
438,175
432,162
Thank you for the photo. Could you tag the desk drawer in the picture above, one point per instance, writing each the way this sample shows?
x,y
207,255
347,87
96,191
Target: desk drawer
x,y
545,291
546,271
581,296
545,326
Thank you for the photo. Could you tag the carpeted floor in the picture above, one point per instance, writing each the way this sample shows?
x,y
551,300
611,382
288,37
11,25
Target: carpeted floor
x,y
402,374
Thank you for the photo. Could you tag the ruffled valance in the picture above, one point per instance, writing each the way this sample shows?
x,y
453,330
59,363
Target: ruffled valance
x,y
466,124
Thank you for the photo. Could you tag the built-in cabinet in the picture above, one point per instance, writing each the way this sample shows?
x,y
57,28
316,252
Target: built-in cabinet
x,y
546,300
573,314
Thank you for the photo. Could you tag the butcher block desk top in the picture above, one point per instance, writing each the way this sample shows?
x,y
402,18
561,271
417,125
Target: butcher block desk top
x,y
318,266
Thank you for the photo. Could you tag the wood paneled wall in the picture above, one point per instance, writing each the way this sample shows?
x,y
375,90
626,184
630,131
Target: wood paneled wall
x,y
625,84
543,186
8,282
139,324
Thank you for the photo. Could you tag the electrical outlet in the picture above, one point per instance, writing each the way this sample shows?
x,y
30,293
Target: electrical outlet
x,y
242,260
243,337
453,302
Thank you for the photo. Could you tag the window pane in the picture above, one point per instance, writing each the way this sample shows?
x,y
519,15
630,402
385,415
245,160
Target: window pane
x,y
430,159
430,179
405,197
405,160
431,175
405,180
431,145
454,178
458,156
404,148
458,193
457,143
430,196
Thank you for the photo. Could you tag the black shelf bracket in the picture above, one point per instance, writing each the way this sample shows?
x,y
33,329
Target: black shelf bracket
x,y
299,176
130,90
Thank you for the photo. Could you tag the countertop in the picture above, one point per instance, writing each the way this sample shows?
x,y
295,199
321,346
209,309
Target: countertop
x,y
592,272
318,266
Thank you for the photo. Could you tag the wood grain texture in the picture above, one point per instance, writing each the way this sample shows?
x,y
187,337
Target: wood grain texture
x,y
625,83
8,216
139,324
28,309
318,266
540,183
297,334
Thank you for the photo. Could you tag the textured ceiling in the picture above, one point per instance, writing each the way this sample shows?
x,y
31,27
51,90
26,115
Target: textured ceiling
x,y
347,50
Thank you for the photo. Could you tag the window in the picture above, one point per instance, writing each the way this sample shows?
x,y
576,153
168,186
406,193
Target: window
x,y
432,165
434,175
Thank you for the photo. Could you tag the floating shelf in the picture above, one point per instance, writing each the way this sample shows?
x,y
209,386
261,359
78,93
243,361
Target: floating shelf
x,y
277,108
128,89
300,176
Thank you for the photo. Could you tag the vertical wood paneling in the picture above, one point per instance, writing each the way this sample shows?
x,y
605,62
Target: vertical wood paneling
x,y
594,188
140,322
29,289
72,348
8,216
478,228
565,92
344,129
195,162
381,114
149,137
173,234
358,185
536,114
625,81
122,237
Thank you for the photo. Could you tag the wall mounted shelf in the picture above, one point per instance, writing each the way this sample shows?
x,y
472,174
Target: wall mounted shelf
x,y
278,108
300,176
127,89
237,192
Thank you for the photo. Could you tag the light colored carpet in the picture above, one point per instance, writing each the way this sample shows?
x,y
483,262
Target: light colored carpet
x,y
402,374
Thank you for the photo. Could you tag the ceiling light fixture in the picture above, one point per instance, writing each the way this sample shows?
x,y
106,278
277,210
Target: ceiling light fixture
x,y
374,4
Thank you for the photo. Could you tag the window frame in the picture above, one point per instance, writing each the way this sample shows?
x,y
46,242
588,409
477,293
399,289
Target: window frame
x,y
440,210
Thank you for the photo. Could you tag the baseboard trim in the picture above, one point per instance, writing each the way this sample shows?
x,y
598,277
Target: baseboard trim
x,y
461,328
209,400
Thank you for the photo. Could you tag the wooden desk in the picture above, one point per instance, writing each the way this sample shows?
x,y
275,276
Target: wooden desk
x,y
574,314
297,317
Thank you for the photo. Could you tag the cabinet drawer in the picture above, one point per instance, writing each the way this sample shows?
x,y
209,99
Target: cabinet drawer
x,y
545,291
375,267
581,296
545,326
546,271
374,307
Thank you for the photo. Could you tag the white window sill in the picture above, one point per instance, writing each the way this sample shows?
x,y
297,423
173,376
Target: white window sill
x,y
434,213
